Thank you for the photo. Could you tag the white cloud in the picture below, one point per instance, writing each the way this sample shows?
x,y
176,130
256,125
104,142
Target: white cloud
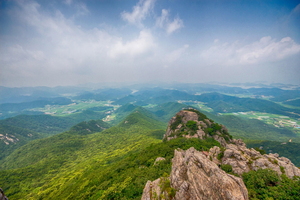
x,y
160,22
264,50
176,24
141,45
139,13
170,26
62,52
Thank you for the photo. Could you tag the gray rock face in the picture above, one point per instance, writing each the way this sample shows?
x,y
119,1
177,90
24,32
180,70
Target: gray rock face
x,y
194,177
243,160
152,190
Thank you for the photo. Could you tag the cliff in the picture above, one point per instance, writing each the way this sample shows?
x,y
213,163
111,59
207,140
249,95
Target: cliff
x,y
194,176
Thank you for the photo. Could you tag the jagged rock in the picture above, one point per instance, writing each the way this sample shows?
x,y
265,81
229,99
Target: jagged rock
x,y
243,160
151,188
194,177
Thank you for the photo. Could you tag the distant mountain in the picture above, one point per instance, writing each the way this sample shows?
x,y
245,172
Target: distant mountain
x,y
89,127
166,111
155,96
141,117
27,94
104,94
226,104
13,109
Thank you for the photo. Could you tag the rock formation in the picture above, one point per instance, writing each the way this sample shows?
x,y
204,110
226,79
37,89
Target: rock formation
x,y
243,159
193,124
198,175
193,177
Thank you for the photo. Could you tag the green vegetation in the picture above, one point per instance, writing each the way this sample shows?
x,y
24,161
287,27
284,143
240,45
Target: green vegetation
x,y
266,184
192,125
226,168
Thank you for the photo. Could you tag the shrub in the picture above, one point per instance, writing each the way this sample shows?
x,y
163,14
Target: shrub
x,y
192,125
227,168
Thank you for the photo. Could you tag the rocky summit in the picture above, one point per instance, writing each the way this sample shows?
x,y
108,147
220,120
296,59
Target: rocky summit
x,y
191,123
199,174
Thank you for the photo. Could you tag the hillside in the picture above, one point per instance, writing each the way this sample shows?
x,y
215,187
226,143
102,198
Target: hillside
x,y
19,130
55,162
115,163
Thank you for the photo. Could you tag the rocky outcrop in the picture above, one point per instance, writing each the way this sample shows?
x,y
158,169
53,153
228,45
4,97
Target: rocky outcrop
x,y
243,159
193,124
194,177
199,175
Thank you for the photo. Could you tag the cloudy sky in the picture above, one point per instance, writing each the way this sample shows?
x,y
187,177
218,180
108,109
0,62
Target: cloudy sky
x,y
70,42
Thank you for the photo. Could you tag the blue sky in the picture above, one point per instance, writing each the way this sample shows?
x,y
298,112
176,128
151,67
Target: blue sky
x,y
70,42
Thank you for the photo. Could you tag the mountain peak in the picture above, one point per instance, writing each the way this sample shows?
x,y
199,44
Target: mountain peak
x,y
191,123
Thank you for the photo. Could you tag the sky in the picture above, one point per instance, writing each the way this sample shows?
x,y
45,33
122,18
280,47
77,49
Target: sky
x,y
73,42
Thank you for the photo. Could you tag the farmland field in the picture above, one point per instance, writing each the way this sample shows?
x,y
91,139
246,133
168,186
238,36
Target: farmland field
x,y
75,107
273,119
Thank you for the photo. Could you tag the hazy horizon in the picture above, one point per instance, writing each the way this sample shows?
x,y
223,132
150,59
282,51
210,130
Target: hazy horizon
x,y
75,42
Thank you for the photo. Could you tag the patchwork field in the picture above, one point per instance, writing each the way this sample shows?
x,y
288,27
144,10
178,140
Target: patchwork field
x,y
75,107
